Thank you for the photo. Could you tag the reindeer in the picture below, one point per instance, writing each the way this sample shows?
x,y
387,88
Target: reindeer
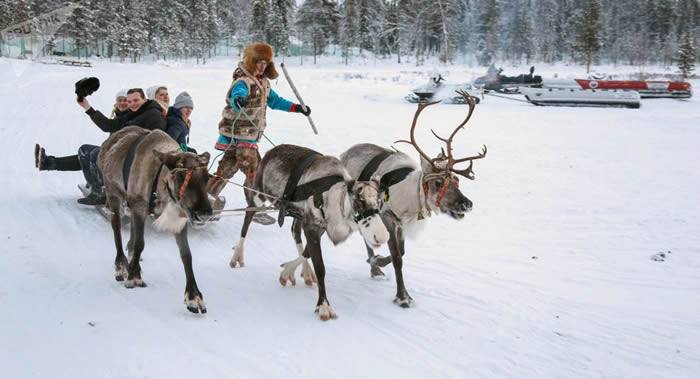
x,y
317,190
412,194
163,181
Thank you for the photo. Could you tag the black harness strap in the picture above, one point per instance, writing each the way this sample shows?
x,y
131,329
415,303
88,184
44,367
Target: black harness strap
x,y
291,185
388,179
313,187
394,176
372,166
129,160
154,187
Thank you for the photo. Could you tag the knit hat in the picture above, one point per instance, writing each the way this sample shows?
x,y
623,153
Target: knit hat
x,y
256,52
121,93
183,100
151,91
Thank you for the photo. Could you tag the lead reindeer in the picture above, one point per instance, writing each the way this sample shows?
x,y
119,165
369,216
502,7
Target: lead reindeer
x,y
317,190
146,171
412,194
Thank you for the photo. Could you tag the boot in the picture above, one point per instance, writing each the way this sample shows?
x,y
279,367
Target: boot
x,y
94,198
215,185
42,161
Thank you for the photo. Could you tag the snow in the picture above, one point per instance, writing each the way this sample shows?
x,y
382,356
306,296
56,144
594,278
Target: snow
x,y
551,274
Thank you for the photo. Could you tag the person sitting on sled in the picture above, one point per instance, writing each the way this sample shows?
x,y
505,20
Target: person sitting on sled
x,y
140,112
243,118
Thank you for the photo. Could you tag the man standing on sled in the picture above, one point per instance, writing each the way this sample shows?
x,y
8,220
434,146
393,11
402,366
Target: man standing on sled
x,y
243,118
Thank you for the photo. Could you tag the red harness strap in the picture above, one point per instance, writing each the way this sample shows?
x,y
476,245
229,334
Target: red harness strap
x,y
183,187
443,190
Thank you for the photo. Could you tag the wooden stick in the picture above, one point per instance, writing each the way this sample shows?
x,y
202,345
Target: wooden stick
x,y
296,93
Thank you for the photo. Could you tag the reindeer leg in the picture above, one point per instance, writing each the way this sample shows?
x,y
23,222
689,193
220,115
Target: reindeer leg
x,y
137,230
375,263
194,300
313,244
289,268
403,299
237,258
120,261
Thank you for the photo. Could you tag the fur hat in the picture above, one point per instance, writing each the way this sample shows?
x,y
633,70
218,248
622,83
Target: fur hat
x,y
256,52
121,93
183,100
151,91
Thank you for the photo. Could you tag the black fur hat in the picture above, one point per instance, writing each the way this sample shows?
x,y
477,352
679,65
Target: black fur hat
x,y
86,86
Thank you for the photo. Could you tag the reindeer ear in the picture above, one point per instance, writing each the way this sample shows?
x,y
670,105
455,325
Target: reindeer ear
x,y
425,166
204,158
170,160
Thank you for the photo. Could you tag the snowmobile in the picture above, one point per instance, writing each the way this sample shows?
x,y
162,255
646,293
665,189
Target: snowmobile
x,y
435,90
494,81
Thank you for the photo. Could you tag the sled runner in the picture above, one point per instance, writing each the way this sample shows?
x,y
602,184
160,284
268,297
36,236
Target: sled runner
x,y
102,208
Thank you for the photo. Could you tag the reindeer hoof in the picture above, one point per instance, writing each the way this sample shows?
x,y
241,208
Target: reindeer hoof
x,y
376,273
195,304
237,259
326,312
406,302
135,282
120,274
307,273
286,276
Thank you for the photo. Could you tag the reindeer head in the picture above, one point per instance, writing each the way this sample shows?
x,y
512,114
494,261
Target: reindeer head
x,y
354,205
367,201
186,183
440,176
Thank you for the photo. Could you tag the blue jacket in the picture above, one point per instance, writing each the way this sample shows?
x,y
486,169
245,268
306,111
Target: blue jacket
x,y
177,127
274,101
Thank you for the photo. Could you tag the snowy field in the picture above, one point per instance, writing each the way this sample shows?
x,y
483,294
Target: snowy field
x,y
549,276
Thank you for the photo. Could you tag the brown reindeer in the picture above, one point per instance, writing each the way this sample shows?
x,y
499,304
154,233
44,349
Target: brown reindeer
x,y
162,181
412,193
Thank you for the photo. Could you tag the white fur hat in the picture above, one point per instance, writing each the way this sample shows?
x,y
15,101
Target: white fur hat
x,y
121,93
151,91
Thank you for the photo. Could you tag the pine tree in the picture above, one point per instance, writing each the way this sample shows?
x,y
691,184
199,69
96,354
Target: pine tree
x,y
520,33
488,32
278,25
587,39
686,57
81,27
318,23
258,27
348,28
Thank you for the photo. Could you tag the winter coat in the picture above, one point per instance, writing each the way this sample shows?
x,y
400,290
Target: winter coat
x,y
177,127
257,96
149,117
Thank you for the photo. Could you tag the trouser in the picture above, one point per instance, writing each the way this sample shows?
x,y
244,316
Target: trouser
x,y
234,159
87,154
68,163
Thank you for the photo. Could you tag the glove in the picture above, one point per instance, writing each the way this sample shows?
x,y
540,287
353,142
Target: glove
x,y
305,110
239,102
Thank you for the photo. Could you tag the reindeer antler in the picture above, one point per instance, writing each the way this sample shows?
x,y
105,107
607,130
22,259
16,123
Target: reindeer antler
x,y
467,173
413,142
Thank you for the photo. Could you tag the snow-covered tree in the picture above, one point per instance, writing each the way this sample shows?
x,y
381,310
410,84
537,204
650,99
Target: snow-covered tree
x,y
81,27
348,28
258,26
686,57
488,33
587,33
278,23
317,21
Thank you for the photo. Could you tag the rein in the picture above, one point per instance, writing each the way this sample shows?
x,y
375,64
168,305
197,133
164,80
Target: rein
x,y
448,181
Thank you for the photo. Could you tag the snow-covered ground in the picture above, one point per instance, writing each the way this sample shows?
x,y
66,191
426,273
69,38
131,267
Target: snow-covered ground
x,y
550,276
